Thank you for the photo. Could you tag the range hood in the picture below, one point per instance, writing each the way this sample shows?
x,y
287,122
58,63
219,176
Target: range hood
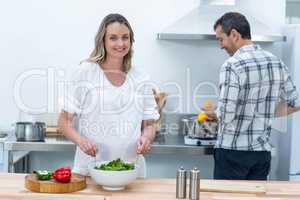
x,y
198,25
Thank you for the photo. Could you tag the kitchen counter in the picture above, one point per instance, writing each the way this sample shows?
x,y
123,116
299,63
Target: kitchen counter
x,y
12,188
163,144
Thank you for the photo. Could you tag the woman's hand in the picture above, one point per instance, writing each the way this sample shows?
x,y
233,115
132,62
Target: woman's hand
x,y
87,146
144,145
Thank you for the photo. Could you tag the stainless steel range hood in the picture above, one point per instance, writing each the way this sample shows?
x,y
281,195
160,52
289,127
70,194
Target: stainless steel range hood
x,y
198,25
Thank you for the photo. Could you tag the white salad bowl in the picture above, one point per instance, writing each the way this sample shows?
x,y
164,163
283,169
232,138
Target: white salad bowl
x,y
112,180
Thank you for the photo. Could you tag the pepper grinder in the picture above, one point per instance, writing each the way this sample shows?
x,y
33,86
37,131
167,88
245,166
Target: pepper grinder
x,y
194,188
181,183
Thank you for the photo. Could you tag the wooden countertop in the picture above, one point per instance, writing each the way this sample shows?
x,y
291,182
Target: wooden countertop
x,y
12,188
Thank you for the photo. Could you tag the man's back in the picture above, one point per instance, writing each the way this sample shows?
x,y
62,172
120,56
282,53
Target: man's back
x,y
251,83
254,87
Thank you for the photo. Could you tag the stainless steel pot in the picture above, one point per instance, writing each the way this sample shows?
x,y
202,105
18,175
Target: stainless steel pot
x,y
195,129
28,131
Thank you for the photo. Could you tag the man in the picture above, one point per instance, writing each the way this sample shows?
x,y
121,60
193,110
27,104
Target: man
x,y
255,86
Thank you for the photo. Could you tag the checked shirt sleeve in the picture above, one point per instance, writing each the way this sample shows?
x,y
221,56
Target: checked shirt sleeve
x,y
228,97
288,89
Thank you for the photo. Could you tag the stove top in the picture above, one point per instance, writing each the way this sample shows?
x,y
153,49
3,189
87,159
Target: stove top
x,y
199,142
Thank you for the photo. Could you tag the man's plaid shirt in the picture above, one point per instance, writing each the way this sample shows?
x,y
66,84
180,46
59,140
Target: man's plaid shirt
x,y
252,82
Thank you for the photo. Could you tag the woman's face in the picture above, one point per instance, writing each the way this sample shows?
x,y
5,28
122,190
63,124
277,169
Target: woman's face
x,y
117,40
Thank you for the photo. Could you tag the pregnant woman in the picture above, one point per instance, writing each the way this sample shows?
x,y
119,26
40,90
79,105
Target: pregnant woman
x,y
112,100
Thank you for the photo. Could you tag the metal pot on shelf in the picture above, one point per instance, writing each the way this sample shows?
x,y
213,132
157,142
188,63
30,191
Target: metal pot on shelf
x,y
30,131
200,130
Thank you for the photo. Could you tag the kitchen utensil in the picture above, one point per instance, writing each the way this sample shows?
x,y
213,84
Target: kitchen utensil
x,y
160,98
78,182
112,180
195,129
29,131
53,130
181,177
194,184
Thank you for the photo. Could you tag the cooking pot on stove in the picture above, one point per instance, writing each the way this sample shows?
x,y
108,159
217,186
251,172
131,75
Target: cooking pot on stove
x,y
201,130
30,131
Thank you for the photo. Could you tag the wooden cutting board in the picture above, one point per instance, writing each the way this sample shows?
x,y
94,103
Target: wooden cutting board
x,y
232,187
53,131
78,182
44,196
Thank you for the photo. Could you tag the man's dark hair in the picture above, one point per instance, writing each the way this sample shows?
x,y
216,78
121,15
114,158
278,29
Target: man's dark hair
x,y
234,20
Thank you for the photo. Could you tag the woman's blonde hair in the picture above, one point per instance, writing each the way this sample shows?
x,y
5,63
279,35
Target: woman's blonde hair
x,y
98,55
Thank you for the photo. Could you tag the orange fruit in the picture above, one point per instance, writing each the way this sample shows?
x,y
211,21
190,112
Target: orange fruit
x,y
202,117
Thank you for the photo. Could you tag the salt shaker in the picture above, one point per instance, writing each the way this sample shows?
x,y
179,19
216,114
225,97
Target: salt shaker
x,y
194,184
181,183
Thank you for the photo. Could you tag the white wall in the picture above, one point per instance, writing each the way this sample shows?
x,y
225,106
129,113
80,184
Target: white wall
x,y
271,12
39,34
60,33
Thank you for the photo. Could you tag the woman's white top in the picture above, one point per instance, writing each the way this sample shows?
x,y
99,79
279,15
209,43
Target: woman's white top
x,y
108,115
